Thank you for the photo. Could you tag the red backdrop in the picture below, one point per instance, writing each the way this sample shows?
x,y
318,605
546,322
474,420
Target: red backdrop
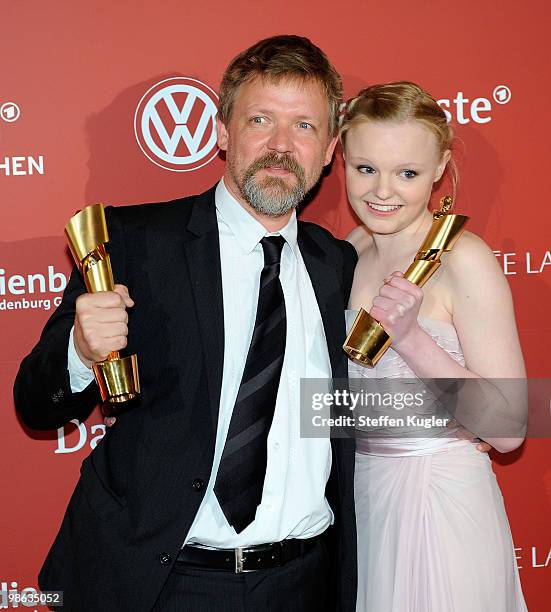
x,y
73,77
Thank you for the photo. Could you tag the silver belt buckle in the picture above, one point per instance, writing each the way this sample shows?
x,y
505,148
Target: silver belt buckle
x,y
239,561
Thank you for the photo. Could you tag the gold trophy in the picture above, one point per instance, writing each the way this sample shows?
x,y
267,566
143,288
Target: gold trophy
x,y
367,340
117,376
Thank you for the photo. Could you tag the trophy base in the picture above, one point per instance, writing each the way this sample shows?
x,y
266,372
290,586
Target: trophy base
x,y
118,379
358,357
367,340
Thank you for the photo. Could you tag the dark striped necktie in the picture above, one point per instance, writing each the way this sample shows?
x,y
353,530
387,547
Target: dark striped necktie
x,y
240,477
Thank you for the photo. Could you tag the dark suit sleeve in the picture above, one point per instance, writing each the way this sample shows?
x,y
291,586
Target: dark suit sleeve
x,y
42,389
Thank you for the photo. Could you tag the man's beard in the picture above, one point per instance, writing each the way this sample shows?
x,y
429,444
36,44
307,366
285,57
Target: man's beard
x,y
272,196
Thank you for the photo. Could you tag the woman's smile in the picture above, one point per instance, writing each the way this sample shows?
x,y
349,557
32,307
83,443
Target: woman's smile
x,y
383,210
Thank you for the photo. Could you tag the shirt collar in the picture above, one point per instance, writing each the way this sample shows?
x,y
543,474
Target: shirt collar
x,y
247,230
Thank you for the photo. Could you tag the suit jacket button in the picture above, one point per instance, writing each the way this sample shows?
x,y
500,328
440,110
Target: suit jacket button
x,y
198,484
57,396
165,558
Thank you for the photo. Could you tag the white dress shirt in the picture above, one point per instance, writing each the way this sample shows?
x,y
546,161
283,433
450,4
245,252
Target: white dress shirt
x,y
293,499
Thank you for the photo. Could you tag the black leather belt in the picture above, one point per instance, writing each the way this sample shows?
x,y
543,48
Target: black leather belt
x,y
246,559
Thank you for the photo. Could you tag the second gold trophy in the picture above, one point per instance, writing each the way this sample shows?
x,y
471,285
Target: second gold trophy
x,y
367,340
117,377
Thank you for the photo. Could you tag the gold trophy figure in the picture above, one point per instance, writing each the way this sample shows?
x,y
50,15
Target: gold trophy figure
x,y
367,340
117,376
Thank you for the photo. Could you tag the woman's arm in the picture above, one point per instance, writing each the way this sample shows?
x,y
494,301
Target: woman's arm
x,y
483,316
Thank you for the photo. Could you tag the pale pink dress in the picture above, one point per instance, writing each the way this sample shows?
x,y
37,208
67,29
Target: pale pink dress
x,y
433,535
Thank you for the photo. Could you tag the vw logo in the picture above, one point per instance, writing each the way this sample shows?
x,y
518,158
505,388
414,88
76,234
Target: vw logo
x,y
175,124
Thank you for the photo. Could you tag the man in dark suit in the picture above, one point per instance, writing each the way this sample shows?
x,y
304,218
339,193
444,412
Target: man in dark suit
x,y
203,495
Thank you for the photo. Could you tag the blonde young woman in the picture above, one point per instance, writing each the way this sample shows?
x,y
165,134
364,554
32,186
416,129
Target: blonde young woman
x,y
433,535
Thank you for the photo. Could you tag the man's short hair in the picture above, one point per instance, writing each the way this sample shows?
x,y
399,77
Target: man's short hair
x,y
282,57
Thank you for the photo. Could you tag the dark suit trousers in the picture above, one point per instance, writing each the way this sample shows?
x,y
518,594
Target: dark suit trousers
x,y
298,586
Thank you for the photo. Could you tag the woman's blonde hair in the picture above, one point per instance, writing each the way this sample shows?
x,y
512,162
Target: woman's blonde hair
x,y
400,101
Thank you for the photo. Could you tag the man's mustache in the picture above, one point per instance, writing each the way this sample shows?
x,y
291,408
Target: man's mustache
x,y
269,160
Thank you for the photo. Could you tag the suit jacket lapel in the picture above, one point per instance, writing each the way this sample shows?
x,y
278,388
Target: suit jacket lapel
x,y
328,289
326,286
202,248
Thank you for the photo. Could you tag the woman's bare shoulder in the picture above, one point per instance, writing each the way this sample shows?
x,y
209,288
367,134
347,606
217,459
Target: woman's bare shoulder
x,y
471,260
470,250
360,239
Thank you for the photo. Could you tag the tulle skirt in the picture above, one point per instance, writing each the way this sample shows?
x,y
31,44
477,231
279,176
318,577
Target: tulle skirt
x,y
433,535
